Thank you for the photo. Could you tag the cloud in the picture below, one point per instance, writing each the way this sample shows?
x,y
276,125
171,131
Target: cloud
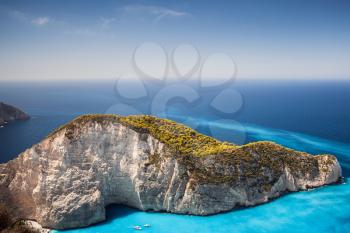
x,y
18,15
105,22
25,18
157,12
41,21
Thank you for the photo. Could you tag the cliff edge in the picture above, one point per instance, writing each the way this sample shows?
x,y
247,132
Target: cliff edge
x,y
149,163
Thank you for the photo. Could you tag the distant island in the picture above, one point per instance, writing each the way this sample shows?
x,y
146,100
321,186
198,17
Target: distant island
x,y
9,113
151,164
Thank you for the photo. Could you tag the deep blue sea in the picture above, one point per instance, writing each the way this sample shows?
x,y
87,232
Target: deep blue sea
x,y
304,115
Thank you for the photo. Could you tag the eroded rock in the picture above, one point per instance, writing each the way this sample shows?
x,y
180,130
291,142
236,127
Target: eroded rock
x,y
148,163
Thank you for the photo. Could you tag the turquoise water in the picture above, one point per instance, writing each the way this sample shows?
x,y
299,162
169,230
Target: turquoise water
x,y
321,210
325,209
318,109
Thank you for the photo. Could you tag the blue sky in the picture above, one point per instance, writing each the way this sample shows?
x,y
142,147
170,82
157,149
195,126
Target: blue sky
x,y
47,40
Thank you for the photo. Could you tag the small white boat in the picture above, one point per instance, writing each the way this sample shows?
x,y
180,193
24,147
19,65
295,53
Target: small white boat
x,y
137,228
147,225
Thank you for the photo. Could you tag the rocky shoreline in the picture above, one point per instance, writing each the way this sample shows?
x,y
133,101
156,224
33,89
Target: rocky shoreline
x,y
149,163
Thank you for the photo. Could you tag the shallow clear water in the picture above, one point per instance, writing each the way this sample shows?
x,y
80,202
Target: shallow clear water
x,y
321,210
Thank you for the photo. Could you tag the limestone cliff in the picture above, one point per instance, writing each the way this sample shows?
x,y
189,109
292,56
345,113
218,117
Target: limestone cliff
x,y
9,113
150,164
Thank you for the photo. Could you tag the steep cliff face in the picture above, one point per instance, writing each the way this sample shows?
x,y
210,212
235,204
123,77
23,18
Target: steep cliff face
x,y
150,164
9,113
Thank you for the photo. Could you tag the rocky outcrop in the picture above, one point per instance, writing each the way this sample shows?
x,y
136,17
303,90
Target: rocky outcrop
x,y
9,113
25,226
150,164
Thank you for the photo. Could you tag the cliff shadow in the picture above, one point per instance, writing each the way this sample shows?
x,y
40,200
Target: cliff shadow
x,y
114,211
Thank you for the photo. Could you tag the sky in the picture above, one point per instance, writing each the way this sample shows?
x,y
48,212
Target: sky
x,y
92,40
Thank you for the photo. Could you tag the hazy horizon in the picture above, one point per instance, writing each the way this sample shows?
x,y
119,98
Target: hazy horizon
x,y
87,40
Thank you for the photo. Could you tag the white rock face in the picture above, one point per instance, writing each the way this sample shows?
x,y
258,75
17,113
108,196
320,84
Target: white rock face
x,y
66,181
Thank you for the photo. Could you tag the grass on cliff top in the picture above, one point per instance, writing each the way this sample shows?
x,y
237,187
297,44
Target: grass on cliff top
x,y
189,143
176,136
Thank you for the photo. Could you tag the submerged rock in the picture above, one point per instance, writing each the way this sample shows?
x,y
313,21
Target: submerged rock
x,y
9,113
149,163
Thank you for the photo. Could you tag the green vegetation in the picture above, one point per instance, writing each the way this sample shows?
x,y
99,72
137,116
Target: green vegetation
x,y
177,136
190,148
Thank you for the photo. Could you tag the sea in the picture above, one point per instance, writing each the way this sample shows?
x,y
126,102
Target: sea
x,y
311,116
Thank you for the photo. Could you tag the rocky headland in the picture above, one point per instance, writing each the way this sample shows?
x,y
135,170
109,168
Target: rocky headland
x,y
151,164
9,113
